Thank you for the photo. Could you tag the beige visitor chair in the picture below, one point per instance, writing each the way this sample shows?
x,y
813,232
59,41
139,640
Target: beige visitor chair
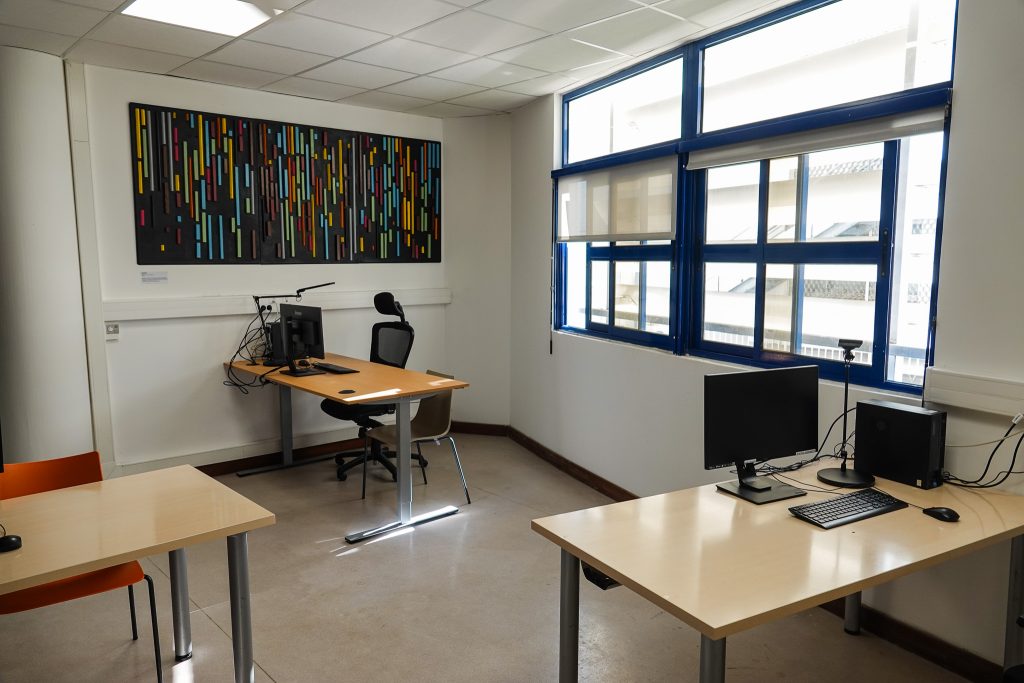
x,y
432,422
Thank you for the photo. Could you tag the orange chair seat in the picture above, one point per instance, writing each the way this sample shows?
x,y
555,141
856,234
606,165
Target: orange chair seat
x,y
73,587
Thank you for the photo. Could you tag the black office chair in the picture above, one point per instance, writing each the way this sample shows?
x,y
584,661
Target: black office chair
x,y
390,344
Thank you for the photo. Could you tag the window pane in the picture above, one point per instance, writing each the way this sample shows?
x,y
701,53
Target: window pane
x,y
778,307
657,301
783,176
627,294
731,214
729,303
837,302
576,285
844,194
599,292
635,112
847,51
917,214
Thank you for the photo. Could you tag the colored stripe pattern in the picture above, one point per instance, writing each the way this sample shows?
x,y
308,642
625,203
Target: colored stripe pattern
x,y
214,189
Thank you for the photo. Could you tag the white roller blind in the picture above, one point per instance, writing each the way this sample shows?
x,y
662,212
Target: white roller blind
x,y
634,202
872,130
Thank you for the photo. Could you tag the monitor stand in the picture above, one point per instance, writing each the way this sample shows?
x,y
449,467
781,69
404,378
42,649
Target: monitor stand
x,y
295,371
755,489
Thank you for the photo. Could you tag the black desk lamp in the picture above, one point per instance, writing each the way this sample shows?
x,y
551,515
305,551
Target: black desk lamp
x,y
841,476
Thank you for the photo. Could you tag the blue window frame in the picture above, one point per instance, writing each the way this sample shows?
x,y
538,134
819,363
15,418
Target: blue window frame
x,y
857,258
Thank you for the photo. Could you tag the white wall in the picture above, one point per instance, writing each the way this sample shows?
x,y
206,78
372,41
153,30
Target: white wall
x,y
44,390
165,377
477,167
633,415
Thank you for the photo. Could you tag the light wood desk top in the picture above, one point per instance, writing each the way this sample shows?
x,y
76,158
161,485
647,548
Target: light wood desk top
x,y
372,383
723,565
83,528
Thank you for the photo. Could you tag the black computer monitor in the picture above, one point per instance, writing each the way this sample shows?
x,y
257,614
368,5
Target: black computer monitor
x,y
302,336
759,415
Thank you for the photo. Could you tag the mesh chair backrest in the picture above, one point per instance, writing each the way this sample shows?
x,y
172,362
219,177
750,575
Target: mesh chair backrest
x,y
25,478
434,416
391,343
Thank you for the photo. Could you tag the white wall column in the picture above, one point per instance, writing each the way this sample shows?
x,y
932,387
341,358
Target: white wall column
x,y
44,383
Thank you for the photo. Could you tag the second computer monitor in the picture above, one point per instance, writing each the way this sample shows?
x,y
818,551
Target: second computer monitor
x,y
302,336
759,415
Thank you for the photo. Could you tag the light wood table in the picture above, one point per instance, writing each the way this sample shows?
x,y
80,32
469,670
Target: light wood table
x,y
83,528
705,557
372,384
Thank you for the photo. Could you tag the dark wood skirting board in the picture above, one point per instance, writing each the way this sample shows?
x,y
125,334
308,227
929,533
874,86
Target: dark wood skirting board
x,y
299,454
480,428
924,645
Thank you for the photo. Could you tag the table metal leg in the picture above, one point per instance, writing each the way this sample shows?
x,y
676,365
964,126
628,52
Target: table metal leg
x,y
284,399
403,412
241,616
712,660
569,620
851,614
1013,650
179,605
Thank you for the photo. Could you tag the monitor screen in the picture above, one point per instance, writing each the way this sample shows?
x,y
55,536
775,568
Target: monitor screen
x,y
759,415
302,333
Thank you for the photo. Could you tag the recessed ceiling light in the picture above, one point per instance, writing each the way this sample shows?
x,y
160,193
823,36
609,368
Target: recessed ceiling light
x,y
229,17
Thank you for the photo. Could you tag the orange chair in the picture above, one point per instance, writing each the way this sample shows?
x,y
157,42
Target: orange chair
x,y
22,479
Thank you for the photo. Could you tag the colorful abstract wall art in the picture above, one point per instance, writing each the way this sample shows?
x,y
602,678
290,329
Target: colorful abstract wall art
x,y
215,189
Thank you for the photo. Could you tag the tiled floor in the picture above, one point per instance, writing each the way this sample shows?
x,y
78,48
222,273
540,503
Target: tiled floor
x,y
473,597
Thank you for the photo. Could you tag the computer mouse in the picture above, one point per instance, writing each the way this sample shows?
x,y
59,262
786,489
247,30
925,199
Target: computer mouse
x,y
9,543
942,514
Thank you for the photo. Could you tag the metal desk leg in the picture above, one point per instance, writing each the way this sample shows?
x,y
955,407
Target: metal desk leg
x,y
851,614
403,422
241,617
405,518
179,605
712,660
1013,650
569,620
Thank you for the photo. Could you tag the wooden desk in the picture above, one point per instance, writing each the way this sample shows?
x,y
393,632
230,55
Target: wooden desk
x,y
373,384
704,557
84,528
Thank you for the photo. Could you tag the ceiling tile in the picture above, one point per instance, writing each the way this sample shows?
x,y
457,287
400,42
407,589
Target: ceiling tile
x,y
383,100
555,53
473,32
30,39
446,110
431,88
267,57
227,74
488,73
554,17
592,71
106,5
305,87
710,12
388,16
493,99
407,55
541,86
157,36
356,74
316,35
637,32
123,57
46,15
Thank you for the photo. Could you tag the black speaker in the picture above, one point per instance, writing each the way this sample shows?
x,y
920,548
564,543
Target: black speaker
x,y
900,442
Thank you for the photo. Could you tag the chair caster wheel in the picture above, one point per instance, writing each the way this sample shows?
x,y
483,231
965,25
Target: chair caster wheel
x,y
394,477
342,476
424,462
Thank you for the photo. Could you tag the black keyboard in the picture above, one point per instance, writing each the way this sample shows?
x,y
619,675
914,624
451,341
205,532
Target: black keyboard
x,y
336,369
847,508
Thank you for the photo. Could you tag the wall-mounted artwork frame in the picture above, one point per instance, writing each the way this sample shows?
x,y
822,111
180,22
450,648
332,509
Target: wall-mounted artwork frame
x,y
217,189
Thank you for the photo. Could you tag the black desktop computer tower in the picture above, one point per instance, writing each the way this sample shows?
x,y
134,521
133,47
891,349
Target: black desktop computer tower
x,y
275,345
900,442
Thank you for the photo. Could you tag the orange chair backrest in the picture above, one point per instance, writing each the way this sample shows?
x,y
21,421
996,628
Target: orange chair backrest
x,y
24,478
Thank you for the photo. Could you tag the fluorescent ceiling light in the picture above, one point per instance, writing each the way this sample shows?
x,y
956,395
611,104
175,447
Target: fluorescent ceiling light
x,y
228,17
